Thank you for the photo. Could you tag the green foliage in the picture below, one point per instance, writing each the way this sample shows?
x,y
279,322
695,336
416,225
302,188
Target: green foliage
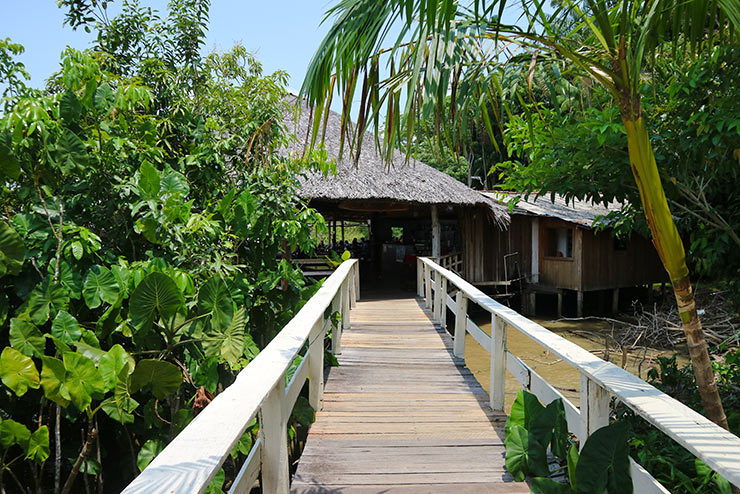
x,y
670,463
602,466
140,237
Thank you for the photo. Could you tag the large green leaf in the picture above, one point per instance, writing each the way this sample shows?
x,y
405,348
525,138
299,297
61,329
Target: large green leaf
x,y
604,462
17,371
175,183
100,286
104,97
46,300
147,452
12,251
156,294
112,363
53,375
148,182
65,327
214,298
38,445
82,380
12,432
573,466
120,406
71,152
229,343
525,455
26,338
69,107
541,485
525,408
163,377
9,166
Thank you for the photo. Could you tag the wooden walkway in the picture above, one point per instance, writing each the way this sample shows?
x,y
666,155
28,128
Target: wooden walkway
x,y
401,414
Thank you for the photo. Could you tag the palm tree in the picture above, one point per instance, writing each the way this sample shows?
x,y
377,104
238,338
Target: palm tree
x,y
411,56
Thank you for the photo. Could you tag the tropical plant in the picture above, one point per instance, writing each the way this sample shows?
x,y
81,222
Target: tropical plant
x,y
446,47
141,241
601,466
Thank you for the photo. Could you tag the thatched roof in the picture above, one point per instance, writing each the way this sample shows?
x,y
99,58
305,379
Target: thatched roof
x,y
372,179
582,213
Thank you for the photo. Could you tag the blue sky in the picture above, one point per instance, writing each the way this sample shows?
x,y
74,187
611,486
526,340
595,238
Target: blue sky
x,y
283,34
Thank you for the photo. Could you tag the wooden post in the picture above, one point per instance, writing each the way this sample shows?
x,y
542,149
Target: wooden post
x,y
436,234
498,363
615,300
532,309
428,286
336,332
461,321
594,408
273,426
357,280
437,307
443,303
579,303
351,287
560,303
419,277
535,251
316,368
345,304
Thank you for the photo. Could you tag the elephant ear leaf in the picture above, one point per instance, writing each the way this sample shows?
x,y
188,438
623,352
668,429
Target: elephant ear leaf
x,y
53,375
83,380
163,377
604,461
12,432
12,250
100,286
17,371
525,454
541,485
120,406
214,297
38,445
228,344
112,363
155,294
525,408
65,328
26,338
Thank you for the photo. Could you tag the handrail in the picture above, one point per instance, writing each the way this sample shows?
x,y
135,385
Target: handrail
x,y
707,441
193,458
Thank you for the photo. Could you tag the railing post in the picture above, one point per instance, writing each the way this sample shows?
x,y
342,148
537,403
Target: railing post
x,y
336,332
594,408
498,362
428,286
273,427
345,304
351,287
357,280
316,368
419,277
461,321
443,303
437,307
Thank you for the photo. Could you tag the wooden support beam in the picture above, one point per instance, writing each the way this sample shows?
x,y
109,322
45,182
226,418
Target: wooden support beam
x,y
560,303
436,233
275,473
316,368
594,407
615,300
535,250
461,316
498,363
579,304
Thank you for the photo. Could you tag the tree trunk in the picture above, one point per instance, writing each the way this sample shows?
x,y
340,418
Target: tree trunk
x,y
670,249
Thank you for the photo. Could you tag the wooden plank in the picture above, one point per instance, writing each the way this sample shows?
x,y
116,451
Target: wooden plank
x,y
249,471
401,410
294,387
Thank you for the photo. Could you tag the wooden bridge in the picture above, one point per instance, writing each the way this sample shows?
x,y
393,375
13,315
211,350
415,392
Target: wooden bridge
x,y
401,413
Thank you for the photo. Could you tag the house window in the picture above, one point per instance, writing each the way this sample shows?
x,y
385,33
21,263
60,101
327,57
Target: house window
x,y
559,243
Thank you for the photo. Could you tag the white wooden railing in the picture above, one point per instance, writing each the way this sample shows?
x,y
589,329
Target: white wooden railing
x,y
452,261
192,459
600,380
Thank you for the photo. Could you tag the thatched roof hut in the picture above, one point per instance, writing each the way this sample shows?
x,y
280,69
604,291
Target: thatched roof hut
x,y
371,184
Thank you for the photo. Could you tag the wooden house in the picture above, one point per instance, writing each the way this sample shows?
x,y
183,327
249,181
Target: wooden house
x,y
553,246
427,206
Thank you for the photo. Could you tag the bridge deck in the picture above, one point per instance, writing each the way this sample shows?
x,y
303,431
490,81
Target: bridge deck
x,y
401,414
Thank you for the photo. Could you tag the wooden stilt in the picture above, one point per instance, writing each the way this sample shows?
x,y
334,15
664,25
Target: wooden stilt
x,y
615,300
579,306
